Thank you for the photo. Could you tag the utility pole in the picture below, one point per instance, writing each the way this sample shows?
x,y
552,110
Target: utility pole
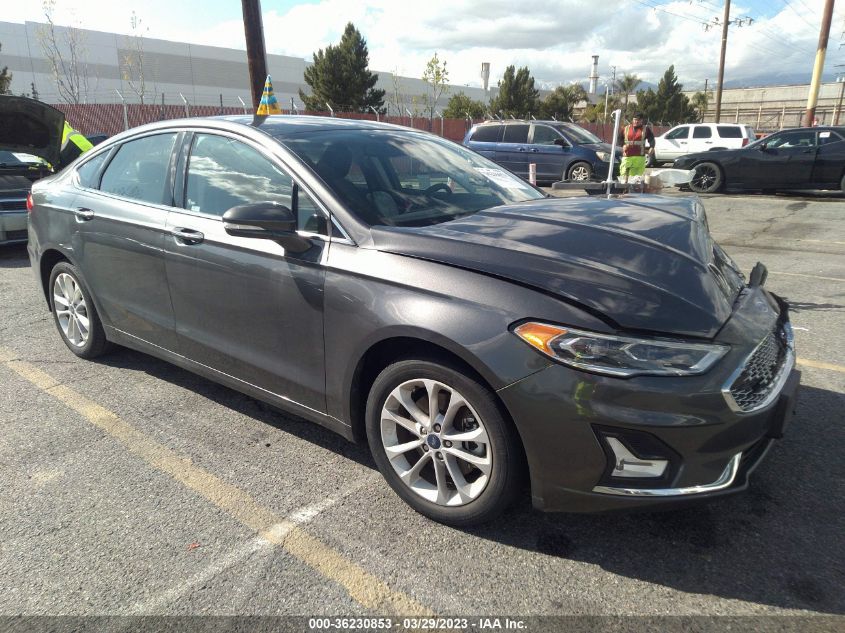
x,y
255,52
812,98
726,20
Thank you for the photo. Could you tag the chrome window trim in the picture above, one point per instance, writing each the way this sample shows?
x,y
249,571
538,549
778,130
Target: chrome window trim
x,y
724,481
779,381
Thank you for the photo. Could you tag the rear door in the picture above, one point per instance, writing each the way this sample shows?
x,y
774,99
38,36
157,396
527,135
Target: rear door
x,y
701,139
120,224
484,139
243,306
673,144
514,153
550,151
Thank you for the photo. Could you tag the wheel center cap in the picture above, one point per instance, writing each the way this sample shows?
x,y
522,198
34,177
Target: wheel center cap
x,y
433,441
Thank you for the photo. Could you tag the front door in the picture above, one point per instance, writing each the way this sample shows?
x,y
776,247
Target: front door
x,y
673,144
786,160
551,153
244,306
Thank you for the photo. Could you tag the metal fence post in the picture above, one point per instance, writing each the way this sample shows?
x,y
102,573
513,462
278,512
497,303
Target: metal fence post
x,y
185,101
125,112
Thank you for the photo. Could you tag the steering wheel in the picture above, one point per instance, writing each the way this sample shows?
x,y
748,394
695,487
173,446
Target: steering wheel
x,y
440,186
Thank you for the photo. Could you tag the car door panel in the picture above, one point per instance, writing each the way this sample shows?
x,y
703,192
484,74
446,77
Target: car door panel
x,y
514,153
785,162
243,306
551,159
119,243
830,160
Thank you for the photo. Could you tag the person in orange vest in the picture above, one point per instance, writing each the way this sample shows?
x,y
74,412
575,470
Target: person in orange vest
x,y
633,139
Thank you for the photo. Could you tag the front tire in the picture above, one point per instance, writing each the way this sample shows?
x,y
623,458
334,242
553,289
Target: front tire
x,y
707,178
441,441
580,172
74,313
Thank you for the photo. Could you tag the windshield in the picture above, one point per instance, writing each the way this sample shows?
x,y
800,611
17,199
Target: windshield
x,y
579,135
398,178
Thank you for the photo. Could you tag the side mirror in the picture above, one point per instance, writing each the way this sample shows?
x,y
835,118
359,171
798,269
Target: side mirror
x,y
562,142
266,220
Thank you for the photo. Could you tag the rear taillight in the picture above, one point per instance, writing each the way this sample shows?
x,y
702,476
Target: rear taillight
x,y
28,201
745,142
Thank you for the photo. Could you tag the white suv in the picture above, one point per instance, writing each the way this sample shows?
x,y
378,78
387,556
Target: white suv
x,y
701,137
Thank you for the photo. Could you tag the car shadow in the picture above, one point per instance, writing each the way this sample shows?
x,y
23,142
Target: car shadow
x,y
259,411
14,256
780,543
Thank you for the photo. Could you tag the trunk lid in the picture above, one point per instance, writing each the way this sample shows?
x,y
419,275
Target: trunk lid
x,y
31,127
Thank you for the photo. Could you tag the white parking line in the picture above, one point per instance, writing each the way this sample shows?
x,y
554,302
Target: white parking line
x,y
156,605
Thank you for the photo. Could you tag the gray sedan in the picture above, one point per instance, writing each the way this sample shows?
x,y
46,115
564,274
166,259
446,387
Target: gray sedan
x,y
401,290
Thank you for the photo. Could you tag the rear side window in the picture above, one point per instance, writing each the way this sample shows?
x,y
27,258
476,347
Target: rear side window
x,y
487,134
139,169
681,132
224,173
516,134
729,131
89,173
701,132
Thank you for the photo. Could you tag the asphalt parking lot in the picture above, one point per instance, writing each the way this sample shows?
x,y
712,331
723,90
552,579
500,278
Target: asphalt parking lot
x,y
131,487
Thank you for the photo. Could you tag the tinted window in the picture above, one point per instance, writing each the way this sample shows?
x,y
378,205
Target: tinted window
x,y
579,135
544,135
701,132
729,131
787,140
139,169
516,134
309,216
89,173
224,173
487,134
827,136
681,132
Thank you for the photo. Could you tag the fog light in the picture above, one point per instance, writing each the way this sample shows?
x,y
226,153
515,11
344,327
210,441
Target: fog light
x,y
626,464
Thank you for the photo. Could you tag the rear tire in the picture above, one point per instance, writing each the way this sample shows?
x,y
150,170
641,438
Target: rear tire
x,y
461,465
707,178
74,313
579,172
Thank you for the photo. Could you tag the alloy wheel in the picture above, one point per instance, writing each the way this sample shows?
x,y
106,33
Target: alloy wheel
x,y
436,442
705,176
580,173
71,310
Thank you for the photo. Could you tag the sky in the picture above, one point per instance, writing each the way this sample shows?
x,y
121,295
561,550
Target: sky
x,y
554,39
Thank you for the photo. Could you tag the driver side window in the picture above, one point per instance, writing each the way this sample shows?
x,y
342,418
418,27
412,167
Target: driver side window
x,y
680,133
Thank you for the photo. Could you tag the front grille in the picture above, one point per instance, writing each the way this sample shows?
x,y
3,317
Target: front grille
x,y
757,379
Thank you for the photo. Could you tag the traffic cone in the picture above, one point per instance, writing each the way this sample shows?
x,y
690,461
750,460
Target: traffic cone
x,y
269,104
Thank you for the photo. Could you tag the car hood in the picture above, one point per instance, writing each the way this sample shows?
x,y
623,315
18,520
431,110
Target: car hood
x,y
644,263
32,127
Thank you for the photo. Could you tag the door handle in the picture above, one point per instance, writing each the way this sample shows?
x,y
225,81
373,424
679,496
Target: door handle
x,y
187,236
83,215
535,150
520,149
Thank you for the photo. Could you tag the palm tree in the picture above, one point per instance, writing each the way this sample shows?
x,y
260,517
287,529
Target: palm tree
x,y
626,86
700,101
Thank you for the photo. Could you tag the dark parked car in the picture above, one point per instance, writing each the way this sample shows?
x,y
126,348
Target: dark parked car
x,y
803,158
30,134
561,151
396,287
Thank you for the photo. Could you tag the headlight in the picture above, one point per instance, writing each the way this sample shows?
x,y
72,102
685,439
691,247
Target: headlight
x,y
620,355
603,156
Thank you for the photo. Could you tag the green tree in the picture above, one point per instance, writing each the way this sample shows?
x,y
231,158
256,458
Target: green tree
x,y
561,102
5,79
517,94
626,86
340,76
668,105
595,113
700,100
436,78
460,105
